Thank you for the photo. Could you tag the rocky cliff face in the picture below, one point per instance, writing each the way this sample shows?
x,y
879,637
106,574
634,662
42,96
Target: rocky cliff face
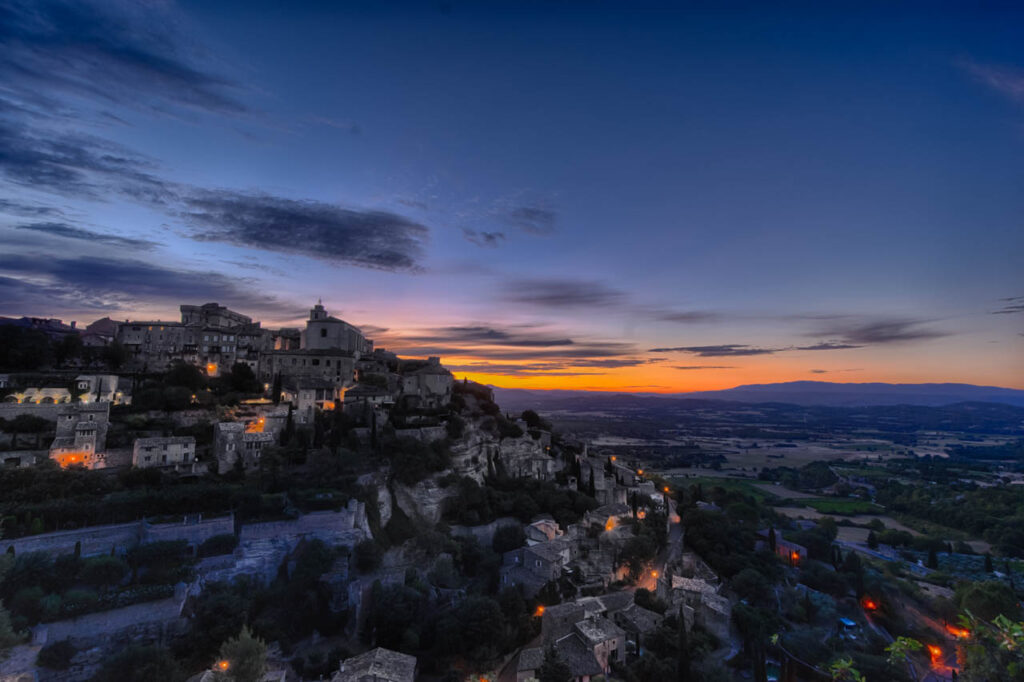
x,y
476,453
423,501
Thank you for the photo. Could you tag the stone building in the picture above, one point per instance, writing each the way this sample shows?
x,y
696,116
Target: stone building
x,y
308,394
426,385
324,332
163,452
104,388
377,665
81,434
235,442
209,336
334,365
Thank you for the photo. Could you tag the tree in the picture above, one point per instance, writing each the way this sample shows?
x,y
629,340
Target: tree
x,y
842,670
772,539
115,355
368,556
103,571
933,559
637,551
987,600
243,380
507,538
185,375
553,669
246,657
872,540
683,664
68,348
988,563
140,664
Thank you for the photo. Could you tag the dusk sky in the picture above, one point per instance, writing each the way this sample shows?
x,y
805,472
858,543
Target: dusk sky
x,y
550,195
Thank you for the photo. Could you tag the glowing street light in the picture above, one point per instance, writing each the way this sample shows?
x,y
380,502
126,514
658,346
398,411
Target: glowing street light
x,y
223,665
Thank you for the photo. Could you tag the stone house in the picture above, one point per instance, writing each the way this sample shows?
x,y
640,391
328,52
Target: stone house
x,y
637,622
426,385
377,665
588,644
309,394
104,388
81,434
234,442
163,452
532,567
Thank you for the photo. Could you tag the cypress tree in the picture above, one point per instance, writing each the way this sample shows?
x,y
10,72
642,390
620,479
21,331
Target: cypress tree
x,y
683,673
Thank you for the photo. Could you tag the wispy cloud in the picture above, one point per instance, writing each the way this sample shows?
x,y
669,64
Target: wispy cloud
x,y
44,282
488,239
719,351
690,368
827,345
533,219
371,239
1011,306
688,317
560,293
1007,81
107,52
19,208
67,231
878,331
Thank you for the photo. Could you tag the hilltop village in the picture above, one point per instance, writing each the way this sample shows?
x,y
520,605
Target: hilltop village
x,y
210,500
230,457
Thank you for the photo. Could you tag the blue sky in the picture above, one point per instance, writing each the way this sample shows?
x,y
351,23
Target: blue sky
x,y
540,192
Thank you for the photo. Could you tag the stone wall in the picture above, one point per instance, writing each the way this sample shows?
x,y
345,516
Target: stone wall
x,y
119,537
94,539
194,533
148,620
12,410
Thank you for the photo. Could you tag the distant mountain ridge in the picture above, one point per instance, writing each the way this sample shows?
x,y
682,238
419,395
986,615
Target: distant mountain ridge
x,y
823,393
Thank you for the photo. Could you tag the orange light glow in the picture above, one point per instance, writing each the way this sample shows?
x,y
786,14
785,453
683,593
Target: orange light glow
x,y
211,368
641,514
68,458
614,458
869,604
665,489
960,633
255,427
539,612
223,665
640,472
794,557
609,524
654,574
935,652
328,404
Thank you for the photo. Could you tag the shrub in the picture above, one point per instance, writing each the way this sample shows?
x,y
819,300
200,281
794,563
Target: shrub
x,y
56,656
218,544
368,556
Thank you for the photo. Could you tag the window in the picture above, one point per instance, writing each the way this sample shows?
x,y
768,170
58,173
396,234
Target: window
x,y
315,362
323,333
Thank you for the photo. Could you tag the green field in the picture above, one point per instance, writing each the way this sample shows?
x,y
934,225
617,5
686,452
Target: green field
x,y
842,506
708,482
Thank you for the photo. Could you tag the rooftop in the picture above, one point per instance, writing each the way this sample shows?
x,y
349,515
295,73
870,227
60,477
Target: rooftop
x,y
380,664
598,629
